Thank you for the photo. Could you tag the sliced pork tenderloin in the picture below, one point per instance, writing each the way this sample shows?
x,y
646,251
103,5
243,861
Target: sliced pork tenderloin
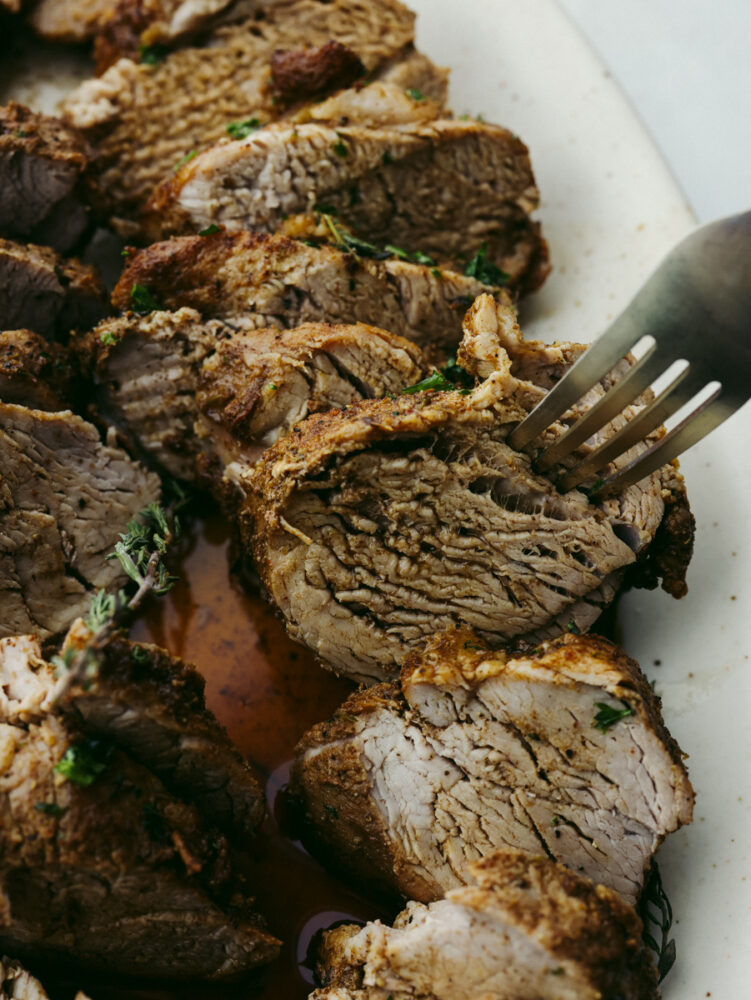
x,y
375,527
142,118
381,183
92,841
152,705
64,499
276,281
42,161
43,292
526,929
36,373
410,783
69,20
205,399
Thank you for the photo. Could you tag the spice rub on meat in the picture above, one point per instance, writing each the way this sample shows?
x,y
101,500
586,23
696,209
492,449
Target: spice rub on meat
x,y
380,182
42,162
261,281
525,929
64,499
562,750
375,527
110,800
36,373
206,398
142,118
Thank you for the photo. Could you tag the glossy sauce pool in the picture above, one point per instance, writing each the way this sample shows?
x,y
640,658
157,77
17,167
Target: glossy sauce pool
x,y
267,691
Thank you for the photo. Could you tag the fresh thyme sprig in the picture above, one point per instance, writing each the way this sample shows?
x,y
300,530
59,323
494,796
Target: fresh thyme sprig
x,y
657,916
140,551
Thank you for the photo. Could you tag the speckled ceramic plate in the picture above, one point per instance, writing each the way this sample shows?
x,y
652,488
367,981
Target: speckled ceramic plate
x,y
610,210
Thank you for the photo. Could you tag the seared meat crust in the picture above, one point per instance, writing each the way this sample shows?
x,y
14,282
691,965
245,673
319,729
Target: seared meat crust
x,y
379,182
410,783
527,930
275,281
36,373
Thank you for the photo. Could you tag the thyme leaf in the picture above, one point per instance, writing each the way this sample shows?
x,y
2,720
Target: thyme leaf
x,y
142,301
657,916
84,762
241,130
191,155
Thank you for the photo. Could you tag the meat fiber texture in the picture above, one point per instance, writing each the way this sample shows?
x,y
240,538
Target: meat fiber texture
x,y
375,527
42,161
526,929
43,292
205,399
94,840
262,281
64,499
410,783
449,189
142,118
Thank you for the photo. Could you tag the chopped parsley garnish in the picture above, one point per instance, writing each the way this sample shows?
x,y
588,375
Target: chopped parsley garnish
x,y
418,257
209,230
142,301
185,159
84,762
273,386
473,645
150,55
415,94
109,338
241,130
436,273
435,382
20,133
422,258
340,147
608,715
140,655
351,244
484,270
573,628
397,251
386,158
48,808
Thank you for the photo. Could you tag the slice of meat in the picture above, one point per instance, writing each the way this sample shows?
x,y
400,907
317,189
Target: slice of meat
x,y
276,281
472,750
101,867
152,706
36,373
42,161
64,499
202,397
306,73
381,104
528,929
144,117
41,291
69,20
376,527
381,183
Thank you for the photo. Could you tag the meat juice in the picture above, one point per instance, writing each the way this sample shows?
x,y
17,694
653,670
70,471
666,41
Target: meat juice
x,y
267,691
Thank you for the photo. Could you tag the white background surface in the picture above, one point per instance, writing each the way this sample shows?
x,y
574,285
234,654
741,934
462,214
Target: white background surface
x,y
686,67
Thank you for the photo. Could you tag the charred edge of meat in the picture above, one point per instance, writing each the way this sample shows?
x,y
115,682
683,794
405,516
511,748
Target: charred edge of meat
x,y
304,74
37,373
665,562
120,35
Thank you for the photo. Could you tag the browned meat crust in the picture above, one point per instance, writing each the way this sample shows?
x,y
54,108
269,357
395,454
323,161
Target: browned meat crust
x,y
528,927
36,373
42,162
305,74
276,281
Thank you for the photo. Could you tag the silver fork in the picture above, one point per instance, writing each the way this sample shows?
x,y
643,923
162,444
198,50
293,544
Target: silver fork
x,y
695,309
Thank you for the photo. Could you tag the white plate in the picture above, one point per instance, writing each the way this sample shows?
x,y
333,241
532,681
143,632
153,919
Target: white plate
x,y
610,210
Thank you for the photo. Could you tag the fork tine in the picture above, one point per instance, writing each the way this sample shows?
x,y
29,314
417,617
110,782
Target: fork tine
x,y
591,367
710,414
629,388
